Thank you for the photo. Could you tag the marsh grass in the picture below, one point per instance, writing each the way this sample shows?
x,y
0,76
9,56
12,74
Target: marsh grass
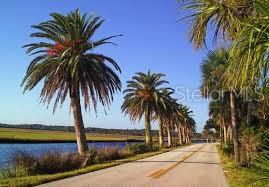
x,y
33,180
23,163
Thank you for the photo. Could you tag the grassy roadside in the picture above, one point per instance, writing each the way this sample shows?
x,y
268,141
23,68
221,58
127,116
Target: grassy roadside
x,y
29,135
40,179
238,176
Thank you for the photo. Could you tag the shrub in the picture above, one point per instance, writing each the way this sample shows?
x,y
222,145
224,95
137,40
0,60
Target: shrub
x,y
139,148
90,157
227,149
24,163
107,154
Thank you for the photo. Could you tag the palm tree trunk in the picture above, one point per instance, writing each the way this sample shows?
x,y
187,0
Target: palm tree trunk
x,y
187,135
169,136
234,127
148,128
225,134
179,135
247,144
160,132
183,135
221,127
229,133
78,122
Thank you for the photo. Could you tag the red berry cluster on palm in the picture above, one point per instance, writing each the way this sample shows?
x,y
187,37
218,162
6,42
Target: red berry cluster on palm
x,y
59,47
56,49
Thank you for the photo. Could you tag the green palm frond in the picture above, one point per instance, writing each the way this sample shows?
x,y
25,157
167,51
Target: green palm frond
x,y
224,17
250,49
213,68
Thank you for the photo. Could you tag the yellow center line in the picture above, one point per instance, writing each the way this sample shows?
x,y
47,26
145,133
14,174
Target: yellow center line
x,y
161,172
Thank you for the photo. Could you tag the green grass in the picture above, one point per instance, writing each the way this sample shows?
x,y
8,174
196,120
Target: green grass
x,y
238,176
11,134
40,179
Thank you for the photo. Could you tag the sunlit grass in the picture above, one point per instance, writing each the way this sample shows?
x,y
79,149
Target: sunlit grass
x,y
46,135
238,176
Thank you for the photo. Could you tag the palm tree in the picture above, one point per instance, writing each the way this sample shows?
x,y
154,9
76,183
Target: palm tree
x,y
188,123
213,69
208,133
183,122
225,17
220,111
141,98
190,129
164,109
67,65
250,48
180,121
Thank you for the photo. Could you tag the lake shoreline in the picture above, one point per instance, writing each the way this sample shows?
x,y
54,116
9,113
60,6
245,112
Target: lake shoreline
x,y
7,141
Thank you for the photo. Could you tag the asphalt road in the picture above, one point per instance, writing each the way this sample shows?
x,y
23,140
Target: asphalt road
x,y
195,165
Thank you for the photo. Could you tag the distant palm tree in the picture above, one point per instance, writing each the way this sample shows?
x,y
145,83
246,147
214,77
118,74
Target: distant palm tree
x,y
67,65
141,98
190,128
165,108
179,122
220,112
187,123
169,119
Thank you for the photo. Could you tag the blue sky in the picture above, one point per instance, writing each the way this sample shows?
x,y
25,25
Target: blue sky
x,y
153,39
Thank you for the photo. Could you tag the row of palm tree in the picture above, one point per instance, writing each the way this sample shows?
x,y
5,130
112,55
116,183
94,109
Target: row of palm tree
x,y
240,67
146,96
65,61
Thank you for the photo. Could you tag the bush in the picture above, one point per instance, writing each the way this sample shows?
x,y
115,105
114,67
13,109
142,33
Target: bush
x,y
134,149
227,149
24,163
107,154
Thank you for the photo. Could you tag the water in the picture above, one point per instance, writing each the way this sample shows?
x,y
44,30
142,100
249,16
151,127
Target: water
x,y
6,150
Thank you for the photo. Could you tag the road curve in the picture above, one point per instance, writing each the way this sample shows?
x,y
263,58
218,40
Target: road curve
x,y
191,166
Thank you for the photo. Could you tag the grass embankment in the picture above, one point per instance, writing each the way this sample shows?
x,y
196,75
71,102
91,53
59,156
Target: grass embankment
x,y
41,179
28,135
238,176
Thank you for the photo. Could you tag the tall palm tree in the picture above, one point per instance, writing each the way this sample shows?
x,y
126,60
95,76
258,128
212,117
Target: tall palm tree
x,y
141,98
66,64
213,69
227,18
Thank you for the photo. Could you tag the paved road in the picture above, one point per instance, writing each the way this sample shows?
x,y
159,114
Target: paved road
x,y
195,165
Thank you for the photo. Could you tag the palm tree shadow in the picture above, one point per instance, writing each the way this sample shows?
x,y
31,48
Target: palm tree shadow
x,y
174,161
214,163
194,151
